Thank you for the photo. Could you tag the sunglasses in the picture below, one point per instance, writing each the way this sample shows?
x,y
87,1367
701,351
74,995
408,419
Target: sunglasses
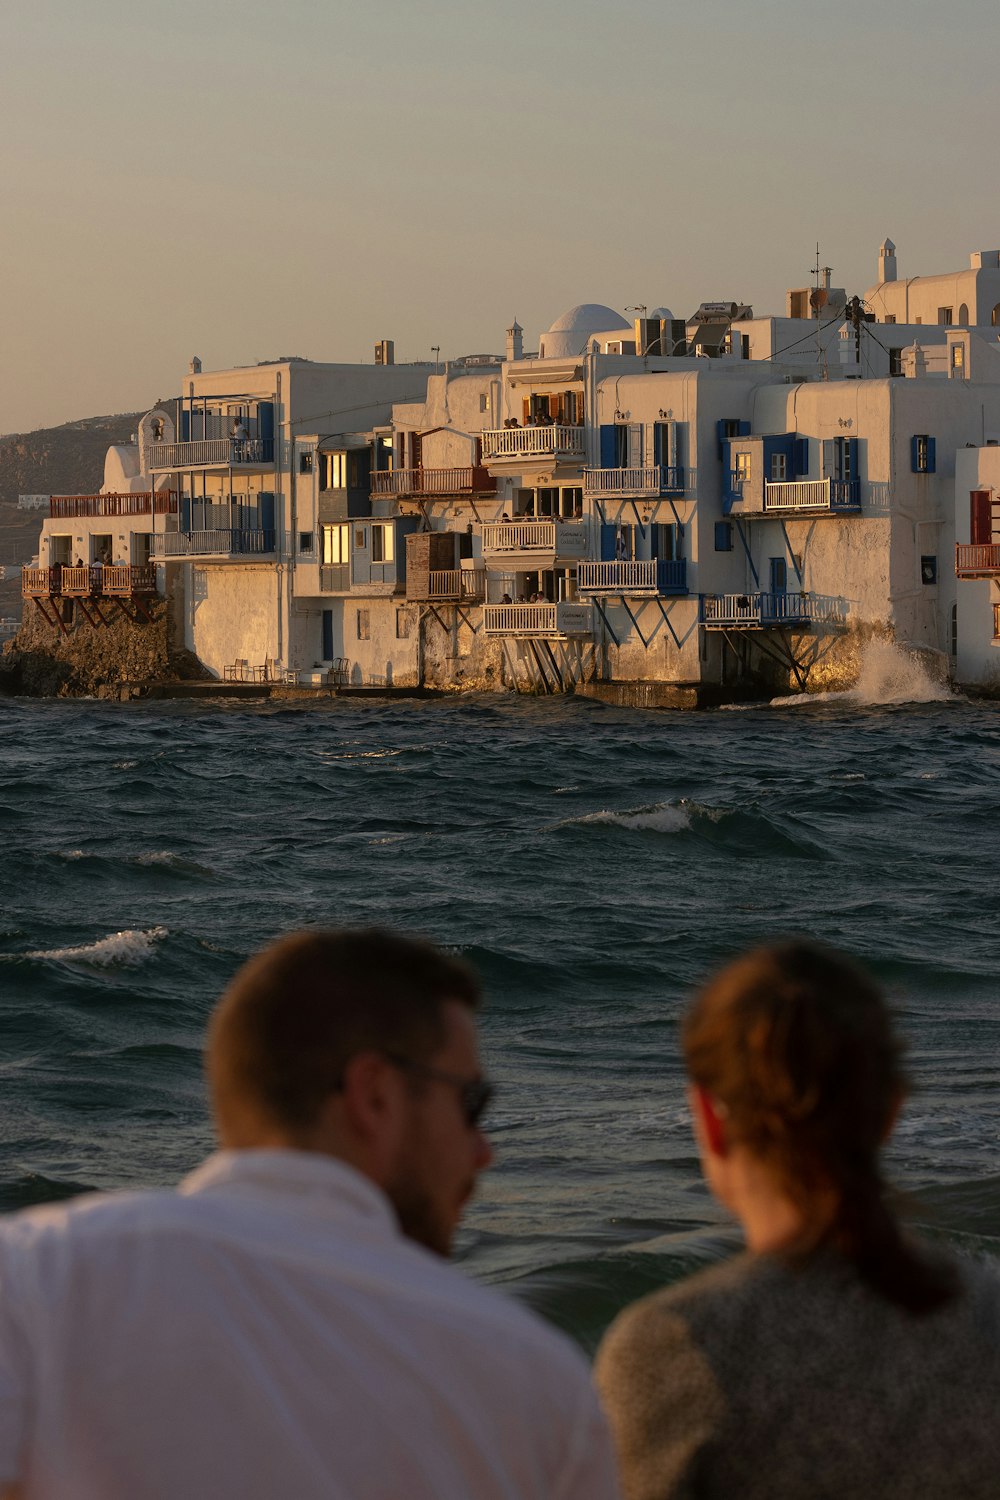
x,y
475,1095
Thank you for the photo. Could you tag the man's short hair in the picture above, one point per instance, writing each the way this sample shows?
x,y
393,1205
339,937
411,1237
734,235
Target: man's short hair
x,y
294,1016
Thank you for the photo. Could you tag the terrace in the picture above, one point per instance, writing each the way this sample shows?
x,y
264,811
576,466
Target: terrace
x,y
977,560
650,482
446,586
543,542
403,483
217,544
70,507
652,577
555,621
502,444
770,611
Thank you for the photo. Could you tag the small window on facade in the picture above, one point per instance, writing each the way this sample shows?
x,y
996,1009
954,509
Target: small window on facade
x,y
723,536
895,361
928,570
779,468
306,461
958,357
918,320
335,544
484,402
945,317
402,624
305,541
359,536
743,467
382,549
890,317
363,625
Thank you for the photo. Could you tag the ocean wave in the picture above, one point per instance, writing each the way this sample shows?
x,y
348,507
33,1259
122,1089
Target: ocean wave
x,y
658,817
128,948
176,862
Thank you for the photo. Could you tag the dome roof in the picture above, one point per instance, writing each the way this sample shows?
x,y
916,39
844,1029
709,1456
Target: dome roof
x,y
589,317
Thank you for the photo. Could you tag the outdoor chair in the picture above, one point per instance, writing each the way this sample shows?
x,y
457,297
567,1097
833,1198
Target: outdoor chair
x,y
237,672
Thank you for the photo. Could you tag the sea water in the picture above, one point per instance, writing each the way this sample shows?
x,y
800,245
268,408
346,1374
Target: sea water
x,y
594,863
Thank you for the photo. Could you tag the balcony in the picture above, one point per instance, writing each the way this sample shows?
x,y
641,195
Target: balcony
x,y
610,484
978,560
804,497
449,585
69,507
213,453
770,611
535,543
656,577
110,581
334,578
221,543
557,621
504,444
403,483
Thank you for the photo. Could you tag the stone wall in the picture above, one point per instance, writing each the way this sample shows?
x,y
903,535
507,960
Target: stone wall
x,y
42,662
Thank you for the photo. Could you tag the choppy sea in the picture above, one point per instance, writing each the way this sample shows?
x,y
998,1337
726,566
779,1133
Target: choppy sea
x,y
593,863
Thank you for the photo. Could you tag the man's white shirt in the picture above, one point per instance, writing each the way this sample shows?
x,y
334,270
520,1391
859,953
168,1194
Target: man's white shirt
x,y
267,1331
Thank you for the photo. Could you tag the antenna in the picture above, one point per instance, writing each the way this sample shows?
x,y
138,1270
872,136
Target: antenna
x,y
436,351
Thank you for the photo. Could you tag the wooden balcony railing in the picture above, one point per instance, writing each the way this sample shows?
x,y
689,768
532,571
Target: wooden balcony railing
x,y
560,538
467,481
537,619
109,581
444,584
977,560
812,494
212,453
653,576
770,611
657,479
532,442
68,507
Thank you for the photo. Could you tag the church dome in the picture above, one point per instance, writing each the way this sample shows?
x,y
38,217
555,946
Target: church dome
x,y
570,334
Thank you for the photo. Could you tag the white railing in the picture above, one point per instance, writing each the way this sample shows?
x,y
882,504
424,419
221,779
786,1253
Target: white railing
x,y
211,452
560,538
657,479
652,576
765,610
795,494
527,442
537,619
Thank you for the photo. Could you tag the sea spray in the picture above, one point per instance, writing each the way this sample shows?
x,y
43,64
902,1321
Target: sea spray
x,y
889,674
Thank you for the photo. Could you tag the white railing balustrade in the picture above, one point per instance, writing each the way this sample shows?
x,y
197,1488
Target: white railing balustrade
x,y
767,610
560,538
657,479
811,494
567,618
629,577
210,453
531,442
215,543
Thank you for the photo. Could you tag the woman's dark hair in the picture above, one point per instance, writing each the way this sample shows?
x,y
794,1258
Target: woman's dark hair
x,y
796,1043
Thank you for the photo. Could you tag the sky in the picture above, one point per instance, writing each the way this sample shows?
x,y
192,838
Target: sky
x,y
249,180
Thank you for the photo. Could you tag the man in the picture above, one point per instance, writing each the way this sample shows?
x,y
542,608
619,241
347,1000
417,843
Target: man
x,y
284,1325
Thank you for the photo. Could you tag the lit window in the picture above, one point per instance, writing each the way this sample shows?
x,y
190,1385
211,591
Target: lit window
x,y
306,461
382,548
335,545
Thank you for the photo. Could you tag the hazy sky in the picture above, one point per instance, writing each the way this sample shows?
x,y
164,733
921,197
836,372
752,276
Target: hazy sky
x,y
247,180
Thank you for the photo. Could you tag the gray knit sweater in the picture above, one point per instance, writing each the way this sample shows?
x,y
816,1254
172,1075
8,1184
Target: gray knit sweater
x,y
753,1380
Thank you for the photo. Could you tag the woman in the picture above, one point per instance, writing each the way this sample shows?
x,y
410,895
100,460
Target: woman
x,y
837,1357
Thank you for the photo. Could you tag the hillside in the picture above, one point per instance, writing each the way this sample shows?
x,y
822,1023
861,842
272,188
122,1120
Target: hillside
x,y
66,460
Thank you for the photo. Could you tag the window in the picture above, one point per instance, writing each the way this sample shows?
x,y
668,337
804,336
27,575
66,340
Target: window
x,y
332,472
382,544
363,625
621,446
306,541
944,317
336,544
958,358
723,536
359,537
743,468
306,461
963,313
895,361
922,454
928,570
890,317
779,468
484,402
402,624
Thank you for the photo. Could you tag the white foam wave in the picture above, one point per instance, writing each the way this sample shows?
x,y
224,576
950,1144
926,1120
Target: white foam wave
x,y
661,817
889,675
129,948
357,754
124,765
71,854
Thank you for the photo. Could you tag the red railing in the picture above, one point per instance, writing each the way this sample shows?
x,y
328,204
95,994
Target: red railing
x,y
467,481
66,507
977,559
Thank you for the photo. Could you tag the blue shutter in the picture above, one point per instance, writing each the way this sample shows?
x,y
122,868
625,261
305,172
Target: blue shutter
x,y
915,455
607,447
608,534
186,513
723,536
931,455
722,435
265,420
185,426
744,429
852,457
266,511
328,635
800,457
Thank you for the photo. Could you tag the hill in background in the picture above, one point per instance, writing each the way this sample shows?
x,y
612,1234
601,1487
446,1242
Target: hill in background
x,y
66,460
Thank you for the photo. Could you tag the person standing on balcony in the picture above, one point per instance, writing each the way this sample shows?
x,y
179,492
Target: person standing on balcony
x,y
285,1324
241,436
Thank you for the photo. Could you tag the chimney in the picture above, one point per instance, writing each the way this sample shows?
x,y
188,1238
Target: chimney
x,y
385,352
194,368
515,341
887,261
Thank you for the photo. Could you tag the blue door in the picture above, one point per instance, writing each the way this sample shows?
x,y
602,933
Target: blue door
x,y
327,635
779,575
